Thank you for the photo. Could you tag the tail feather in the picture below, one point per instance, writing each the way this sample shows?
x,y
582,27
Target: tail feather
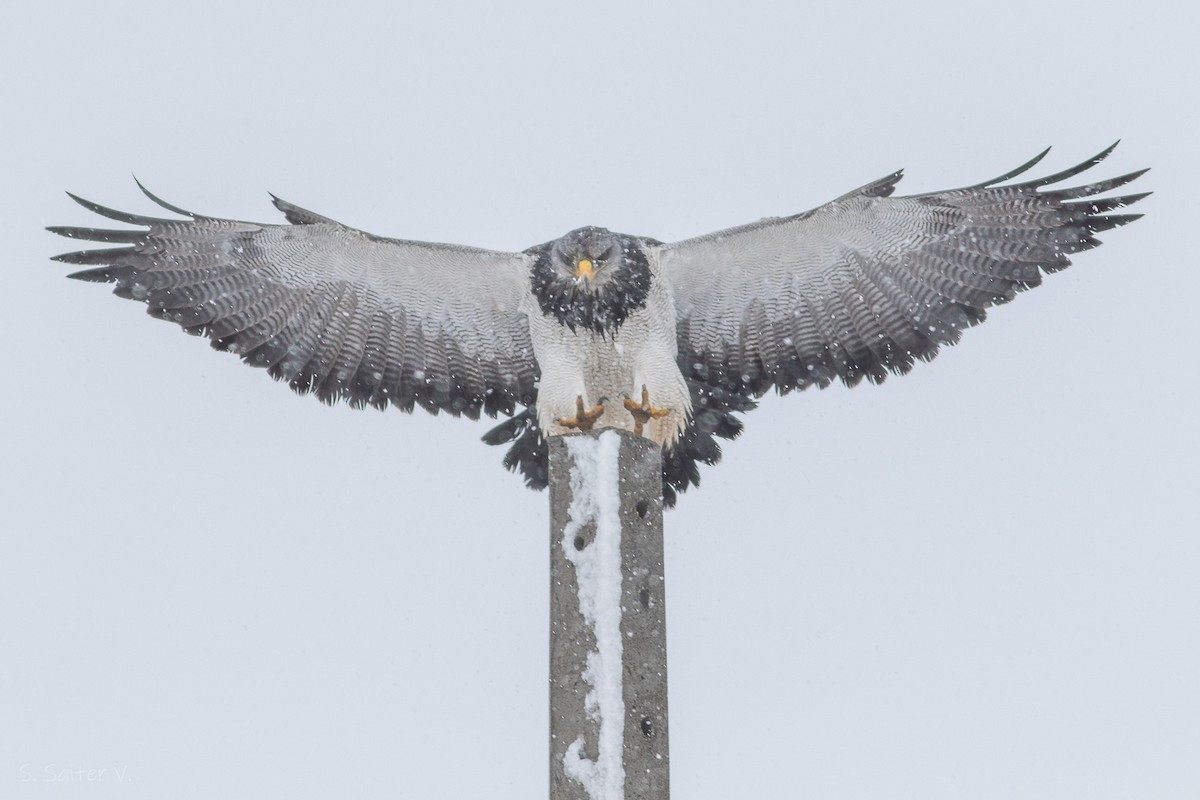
x,y
713,418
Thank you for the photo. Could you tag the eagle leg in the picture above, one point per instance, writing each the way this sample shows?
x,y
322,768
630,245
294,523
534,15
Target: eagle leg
x,y
583,419
643,412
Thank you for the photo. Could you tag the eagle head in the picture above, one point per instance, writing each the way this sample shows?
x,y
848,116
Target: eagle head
x,y
591,278
589,256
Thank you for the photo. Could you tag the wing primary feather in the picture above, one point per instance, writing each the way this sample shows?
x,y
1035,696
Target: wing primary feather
x,y
98,234
101,275
1108,204
109,255
1075,170
1012,173
1100,224
119,216
1100,187
168,206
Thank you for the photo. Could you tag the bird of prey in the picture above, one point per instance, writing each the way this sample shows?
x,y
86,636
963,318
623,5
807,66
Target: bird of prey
x,y
603,329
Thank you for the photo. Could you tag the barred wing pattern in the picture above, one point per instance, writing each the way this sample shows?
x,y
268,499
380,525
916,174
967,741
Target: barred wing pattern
x,y
332,310
867,284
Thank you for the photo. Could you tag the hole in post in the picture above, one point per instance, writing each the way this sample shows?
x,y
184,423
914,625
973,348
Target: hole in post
x,y
644,597
647,727
643,508
579,543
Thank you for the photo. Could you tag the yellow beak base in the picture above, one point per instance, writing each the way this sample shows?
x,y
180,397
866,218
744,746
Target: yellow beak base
x,y
585,269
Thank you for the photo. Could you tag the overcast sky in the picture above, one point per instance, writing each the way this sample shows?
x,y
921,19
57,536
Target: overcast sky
x,y
978,580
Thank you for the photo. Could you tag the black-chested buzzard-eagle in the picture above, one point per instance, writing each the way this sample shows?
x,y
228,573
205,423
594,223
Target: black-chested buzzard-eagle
x,y
605,329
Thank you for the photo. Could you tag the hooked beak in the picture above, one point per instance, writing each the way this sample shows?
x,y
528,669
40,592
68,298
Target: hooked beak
x,y
585,269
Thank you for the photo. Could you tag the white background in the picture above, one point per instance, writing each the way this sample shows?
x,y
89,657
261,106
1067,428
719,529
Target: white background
x,y
975,581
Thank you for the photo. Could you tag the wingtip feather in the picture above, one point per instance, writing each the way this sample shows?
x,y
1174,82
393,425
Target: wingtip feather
x,y
111,213
163,203
108,255
1099,187
1012,173
98,234
101,275
1071,172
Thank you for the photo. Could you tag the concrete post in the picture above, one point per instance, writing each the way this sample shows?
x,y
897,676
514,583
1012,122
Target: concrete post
x,y
585,764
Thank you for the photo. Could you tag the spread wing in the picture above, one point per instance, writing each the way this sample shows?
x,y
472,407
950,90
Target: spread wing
x,y
332,310
866,285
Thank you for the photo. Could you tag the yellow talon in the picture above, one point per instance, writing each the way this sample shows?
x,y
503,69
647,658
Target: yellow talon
x,y
643,412
583,419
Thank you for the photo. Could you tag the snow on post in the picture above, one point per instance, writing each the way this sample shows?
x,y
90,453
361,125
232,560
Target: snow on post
x,y
608,666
